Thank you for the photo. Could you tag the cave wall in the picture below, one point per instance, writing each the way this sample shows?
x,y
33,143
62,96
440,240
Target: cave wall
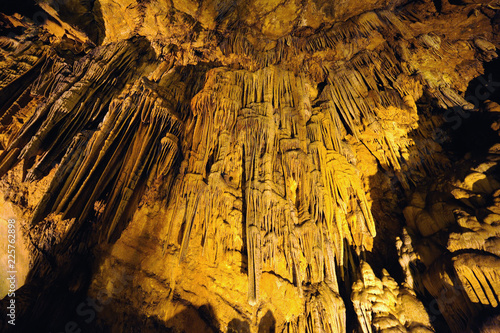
x,y
252,166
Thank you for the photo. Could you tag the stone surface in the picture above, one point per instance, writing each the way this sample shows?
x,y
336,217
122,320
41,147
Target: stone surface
x,y
252,166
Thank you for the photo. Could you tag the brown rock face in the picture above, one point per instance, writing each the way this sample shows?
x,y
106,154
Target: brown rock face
x,y
250,166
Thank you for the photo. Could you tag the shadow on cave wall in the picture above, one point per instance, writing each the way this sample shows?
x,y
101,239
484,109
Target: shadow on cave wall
x,y
85,15
27,8
200,319
470,131
41,306
83,314
468,134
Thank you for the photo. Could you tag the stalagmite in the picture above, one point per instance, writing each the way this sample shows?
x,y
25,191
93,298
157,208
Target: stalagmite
x,y
377,304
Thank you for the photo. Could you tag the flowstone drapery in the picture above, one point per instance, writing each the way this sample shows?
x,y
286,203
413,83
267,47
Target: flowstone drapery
x,y
249,173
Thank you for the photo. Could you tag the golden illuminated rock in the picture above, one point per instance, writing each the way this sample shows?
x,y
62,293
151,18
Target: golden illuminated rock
x,y
252,166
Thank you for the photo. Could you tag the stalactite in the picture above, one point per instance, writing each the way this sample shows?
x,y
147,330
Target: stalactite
x,y
325,310
63,116
127,145
267,102
439,281
479,277
69,164
261,154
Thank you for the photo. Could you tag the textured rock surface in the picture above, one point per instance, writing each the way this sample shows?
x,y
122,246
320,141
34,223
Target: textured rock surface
x,y
461,255
383,306
252,166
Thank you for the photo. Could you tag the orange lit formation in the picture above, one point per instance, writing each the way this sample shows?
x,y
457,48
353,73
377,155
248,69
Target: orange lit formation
x,y
253,166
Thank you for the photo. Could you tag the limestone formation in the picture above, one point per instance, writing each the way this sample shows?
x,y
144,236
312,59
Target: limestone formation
x,y
383,306
252,166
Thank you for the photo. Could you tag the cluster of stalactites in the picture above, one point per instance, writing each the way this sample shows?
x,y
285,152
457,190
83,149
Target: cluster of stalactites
x,y
339,38
137,141
324,312
261,154
110,144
